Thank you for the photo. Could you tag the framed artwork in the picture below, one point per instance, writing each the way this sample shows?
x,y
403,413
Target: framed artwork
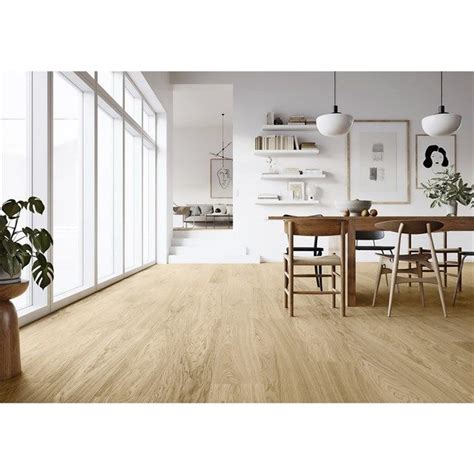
x,y
296,190
378,161
221,178
433,154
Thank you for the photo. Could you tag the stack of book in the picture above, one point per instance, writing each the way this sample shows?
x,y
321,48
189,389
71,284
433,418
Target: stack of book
x,y
276,142
268,196
297,120
312,172
307,145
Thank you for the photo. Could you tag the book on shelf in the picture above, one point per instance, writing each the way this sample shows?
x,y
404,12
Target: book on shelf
x,y
297,119
308,145
270,173
310,121
270,197
276,142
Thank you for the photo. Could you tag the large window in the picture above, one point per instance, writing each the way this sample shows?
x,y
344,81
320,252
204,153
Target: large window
x,y
88,150
71,186
149,197
109,195
15,146
133,200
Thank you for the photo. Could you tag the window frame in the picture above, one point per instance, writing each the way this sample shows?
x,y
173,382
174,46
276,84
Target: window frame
x,y
41,175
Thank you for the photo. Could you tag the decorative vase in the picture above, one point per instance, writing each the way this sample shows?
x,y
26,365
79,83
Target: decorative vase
x,y
452,208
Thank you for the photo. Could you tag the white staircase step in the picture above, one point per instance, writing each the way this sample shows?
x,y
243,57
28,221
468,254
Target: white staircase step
x,y
208,250
214,259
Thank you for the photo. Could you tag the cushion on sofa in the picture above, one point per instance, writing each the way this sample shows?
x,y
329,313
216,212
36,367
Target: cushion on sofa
x,y
219,209
194,210
206,208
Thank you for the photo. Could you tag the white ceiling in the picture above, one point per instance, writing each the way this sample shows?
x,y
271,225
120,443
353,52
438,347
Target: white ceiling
x,y
202,105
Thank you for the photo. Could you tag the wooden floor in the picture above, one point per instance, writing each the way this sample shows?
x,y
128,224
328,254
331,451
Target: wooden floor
x,y
219,333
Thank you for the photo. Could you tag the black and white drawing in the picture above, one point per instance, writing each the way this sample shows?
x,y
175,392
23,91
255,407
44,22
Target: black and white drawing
x,y
221,178
433,154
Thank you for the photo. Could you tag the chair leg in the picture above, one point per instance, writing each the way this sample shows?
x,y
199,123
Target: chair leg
x,y
438,275
458,281
285,266
333,281
393,282
290,290
343,291
377,280
419,272
460,263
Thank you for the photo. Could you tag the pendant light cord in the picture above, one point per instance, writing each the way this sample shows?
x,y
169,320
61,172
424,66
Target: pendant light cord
x,y
222,140
334,86
441,73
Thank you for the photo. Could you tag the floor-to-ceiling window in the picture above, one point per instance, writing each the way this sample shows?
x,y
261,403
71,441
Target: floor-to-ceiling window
x,y
85,143
72,186
15,148
133,200
109,194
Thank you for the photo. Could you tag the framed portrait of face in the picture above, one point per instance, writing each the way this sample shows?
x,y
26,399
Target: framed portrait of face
x,y
433,154
296,190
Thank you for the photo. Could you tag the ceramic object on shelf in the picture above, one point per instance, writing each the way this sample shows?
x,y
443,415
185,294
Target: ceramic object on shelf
x,y
355,206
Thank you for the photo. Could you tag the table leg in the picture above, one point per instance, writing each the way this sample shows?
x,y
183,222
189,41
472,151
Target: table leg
x,y
351,265
10,362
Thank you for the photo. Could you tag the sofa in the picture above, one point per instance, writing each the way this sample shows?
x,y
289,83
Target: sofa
x,y
207,215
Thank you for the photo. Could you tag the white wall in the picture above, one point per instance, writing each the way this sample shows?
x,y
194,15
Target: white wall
x,y
372,95
159,83
197,131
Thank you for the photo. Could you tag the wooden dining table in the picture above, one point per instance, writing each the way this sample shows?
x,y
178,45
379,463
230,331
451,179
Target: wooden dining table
x,y
355,223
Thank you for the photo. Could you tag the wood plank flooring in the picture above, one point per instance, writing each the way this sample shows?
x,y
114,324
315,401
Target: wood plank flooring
x,y
220,333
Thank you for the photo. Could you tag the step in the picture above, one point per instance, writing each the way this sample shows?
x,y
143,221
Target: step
x,y
208,250
175,242
213,259
204,234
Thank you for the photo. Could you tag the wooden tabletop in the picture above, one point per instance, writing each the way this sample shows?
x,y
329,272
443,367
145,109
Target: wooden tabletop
x,y
461,223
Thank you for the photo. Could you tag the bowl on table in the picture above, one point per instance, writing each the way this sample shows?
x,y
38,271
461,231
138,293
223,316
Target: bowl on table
x,y
355,206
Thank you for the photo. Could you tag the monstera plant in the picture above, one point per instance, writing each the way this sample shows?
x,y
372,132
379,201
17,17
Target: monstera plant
x,y
20,246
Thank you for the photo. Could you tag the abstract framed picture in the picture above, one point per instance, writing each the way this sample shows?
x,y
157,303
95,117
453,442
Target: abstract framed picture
x,y
433,154
221,180
296,190
378,161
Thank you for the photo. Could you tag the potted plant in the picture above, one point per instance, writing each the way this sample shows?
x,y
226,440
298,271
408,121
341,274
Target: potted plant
x,y
448,188
19,247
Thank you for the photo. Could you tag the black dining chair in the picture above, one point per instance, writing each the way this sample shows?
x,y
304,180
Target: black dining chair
x,y
373,235
317,252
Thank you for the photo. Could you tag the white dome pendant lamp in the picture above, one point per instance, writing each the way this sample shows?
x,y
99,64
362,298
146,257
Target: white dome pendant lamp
x,y
442,123
335,124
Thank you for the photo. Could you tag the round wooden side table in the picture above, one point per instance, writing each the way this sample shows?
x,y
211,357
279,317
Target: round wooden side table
x,y
10,360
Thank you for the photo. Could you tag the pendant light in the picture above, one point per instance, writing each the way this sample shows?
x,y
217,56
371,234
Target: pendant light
x,y
442,123
334,124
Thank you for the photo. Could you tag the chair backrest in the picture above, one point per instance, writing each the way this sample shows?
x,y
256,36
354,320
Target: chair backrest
x,y
370,234
315,226
410,227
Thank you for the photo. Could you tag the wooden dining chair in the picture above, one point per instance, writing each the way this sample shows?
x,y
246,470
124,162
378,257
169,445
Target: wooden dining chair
x,y
390,264
315,250
323,228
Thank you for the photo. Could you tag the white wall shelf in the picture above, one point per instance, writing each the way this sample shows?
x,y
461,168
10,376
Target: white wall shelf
x,y
288,128
279,202
277,177
288,153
